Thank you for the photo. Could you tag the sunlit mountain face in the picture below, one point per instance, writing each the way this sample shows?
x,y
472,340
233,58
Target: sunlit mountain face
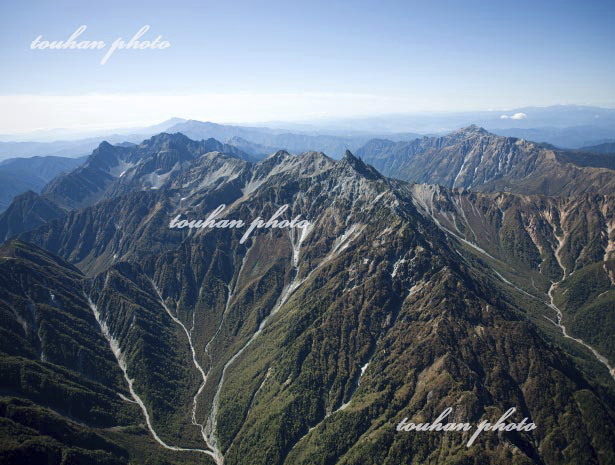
x,y
476,159
469,271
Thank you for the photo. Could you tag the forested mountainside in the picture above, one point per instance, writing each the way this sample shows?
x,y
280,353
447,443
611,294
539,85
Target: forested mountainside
x,y
310,346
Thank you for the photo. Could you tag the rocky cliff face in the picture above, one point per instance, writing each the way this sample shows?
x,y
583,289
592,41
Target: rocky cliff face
x,y
310,346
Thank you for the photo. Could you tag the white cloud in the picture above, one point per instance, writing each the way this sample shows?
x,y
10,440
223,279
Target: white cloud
x,y
516,116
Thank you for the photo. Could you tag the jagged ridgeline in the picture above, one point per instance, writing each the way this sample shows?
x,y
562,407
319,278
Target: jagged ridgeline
x,y
476,159
126,341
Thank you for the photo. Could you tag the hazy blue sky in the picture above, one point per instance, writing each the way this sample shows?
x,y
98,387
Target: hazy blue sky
x,y
262,60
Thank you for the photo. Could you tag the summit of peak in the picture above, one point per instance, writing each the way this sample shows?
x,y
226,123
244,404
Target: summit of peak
x,y
281,153
471,130
165,137
278,156
352,159
103,153
357,165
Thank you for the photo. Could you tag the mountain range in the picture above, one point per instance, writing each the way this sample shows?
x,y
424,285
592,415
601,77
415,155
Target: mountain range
x,y
476,159
470,271
564,126
259,141
18,175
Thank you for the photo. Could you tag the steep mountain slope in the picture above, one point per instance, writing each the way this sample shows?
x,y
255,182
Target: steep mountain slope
x,y
27,211
564,247
108,172
115,229
311,346
154,159
64,397
475,159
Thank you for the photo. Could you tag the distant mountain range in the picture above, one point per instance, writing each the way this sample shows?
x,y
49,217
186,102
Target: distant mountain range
x,y
473,158
112,169
565,126
258,140
606,148
73,145
125,341
334,145
568,137
469,158
18,175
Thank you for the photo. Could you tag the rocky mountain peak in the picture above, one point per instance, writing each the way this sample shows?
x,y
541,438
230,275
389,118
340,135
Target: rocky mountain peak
x,y
165,139
104,145
28,195
353,164
105,156
103,149
279,155
472,130
388,279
